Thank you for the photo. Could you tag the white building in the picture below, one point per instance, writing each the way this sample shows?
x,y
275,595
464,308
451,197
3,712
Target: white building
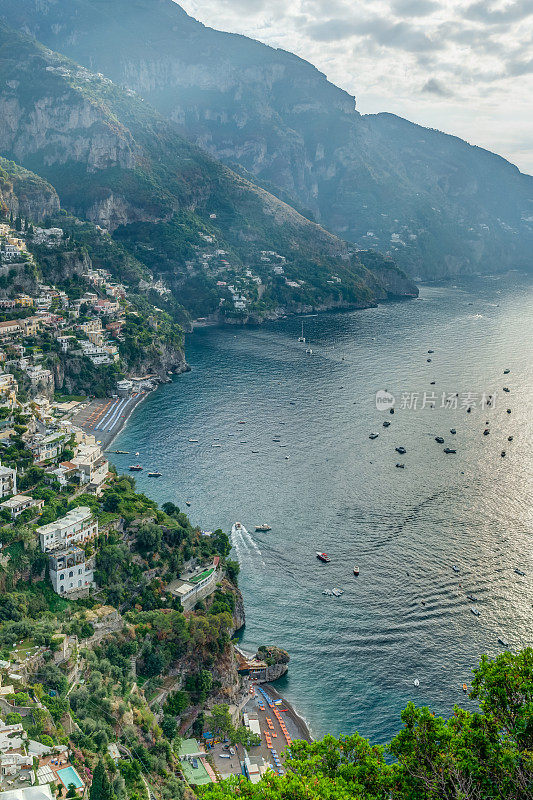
x,y
70,571
78,525
19,503
92,466
8,481
31,793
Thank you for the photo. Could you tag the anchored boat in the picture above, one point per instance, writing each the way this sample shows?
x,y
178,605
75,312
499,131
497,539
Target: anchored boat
x,y
323,557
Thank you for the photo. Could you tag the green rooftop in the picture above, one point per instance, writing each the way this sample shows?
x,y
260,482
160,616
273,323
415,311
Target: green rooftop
x,y
201,576
188,747
198,777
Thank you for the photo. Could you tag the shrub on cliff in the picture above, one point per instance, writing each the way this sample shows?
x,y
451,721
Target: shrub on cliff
x,y
480,756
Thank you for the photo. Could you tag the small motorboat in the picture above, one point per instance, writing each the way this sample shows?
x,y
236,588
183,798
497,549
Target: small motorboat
x,y
255,451
475,611
400,466
506,389
449,450
428,360
452,430
328,592
391,411
263,527
471,597
386,423
509,438
506,372
337,592
432,383
125,452
430,351
465,688
373,436
486,432
238,527
241,422
519,572
137,454
187,502
135,468
356,570
508,410
468,410
216,445
193,441
287,458
323,557
401,450
503,453
456,568
503,642
439,439
154,474
416,683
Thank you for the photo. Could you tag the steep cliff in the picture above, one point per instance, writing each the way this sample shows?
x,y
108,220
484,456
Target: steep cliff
x,y
24,194
436,204
191,220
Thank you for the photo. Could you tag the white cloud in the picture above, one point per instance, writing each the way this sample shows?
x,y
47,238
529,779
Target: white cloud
x,y
464,67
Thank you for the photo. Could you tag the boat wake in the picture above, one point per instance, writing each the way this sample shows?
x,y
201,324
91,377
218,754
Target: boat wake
x,y
245,546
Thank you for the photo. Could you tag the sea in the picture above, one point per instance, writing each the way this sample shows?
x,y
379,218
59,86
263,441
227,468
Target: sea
x,y
283,439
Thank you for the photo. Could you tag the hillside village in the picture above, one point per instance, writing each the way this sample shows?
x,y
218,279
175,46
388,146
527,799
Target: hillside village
x,y
100,588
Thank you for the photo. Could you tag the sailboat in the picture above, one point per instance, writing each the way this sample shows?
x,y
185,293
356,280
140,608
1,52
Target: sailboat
x,y
302,337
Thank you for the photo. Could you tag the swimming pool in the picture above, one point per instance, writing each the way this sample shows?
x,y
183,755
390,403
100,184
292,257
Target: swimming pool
x,y
69,775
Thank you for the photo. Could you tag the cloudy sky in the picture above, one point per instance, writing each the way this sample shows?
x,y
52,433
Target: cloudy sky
x,y
461,66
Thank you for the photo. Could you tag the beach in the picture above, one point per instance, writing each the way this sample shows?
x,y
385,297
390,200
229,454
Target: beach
x,y
106,417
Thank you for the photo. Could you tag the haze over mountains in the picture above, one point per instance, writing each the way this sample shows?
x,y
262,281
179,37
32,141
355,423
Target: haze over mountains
x,y
436,204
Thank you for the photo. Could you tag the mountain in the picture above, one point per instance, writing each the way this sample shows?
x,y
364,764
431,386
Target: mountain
x,y
436,204
211,236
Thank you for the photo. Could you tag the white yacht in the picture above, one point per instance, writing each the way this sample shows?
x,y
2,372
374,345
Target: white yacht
x,y
238,527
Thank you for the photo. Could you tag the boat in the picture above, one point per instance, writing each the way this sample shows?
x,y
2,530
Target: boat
x,y
302,337
328,592
475,611
154,474
506,372
400,450
135,468
465,688
452,430
255,451
400,466
238,527
503,453
323,557
337,592
386,423
503,642
456,568
428,360
449,450
187,502
287,458
241,422
122,452
471,597
416,683
430,351
439,439
509,438
263,527
356,570
216,445
508,410
309,352
486,432
506,389
519,572
373,436
194,440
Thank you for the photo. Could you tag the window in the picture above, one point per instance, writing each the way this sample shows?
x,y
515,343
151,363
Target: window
x,y
71,574
61,577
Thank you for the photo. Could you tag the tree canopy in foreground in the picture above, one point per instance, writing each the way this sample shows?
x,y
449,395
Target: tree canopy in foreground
x,y
487,755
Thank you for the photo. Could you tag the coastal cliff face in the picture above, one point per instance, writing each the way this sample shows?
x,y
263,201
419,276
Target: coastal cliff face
x,y
186,217
434,203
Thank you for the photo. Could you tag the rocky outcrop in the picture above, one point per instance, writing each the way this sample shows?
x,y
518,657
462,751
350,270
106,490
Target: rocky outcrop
x,y
24,194
277,661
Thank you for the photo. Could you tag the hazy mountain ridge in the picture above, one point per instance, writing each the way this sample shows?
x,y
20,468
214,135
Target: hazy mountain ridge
x,y
436,204
116,162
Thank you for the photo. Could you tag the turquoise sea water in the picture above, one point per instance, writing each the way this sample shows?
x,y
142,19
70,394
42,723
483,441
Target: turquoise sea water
x,y
354,658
